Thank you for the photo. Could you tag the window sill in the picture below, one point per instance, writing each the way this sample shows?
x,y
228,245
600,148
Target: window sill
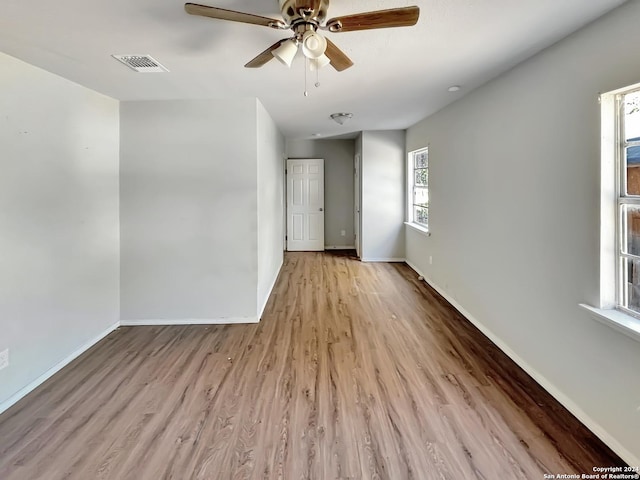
x,y
616,319
418,228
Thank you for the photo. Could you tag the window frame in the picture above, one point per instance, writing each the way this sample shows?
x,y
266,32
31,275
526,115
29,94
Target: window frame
x,y
411,186
622,200
608,309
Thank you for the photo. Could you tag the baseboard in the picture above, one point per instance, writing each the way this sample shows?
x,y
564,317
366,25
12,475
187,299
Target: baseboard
x,y
339,247
188,321
86,346
266,300
383,259
555,392
55,369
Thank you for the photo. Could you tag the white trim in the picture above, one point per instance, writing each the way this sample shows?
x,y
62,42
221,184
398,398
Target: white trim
x,y
608,200
339,247
569,404
268,296
383,259
189,321
55,369
418,228
615,319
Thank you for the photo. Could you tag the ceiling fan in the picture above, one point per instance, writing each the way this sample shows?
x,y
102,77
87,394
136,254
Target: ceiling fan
x,y
305,18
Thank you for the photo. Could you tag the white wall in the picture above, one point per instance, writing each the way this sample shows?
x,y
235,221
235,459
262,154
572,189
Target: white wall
x,y
58,218
514,177
189,222
270,164
338,185
383,197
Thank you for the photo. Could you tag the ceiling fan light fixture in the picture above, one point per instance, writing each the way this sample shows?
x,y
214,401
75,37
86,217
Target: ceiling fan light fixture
x,y
318,63
304,18
286,52
313,44
341,118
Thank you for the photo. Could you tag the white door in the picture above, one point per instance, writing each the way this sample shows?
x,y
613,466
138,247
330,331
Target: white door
x,y
305,204
356,203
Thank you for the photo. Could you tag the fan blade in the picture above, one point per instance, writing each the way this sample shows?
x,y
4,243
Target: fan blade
x,y
222,14
265,56
395,17
339,60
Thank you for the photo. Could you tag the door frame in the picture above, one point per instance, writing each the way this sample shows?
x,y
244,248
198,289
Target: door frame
x,y
357,208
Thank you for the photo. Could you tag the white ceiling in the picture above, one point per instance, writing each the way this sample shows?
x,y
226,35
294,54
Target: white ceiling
x,y
400,75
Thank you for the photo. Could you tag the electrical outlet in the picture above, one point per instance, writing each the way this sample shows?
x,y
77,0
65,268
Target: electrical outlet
x,y
343,233
4,359
430,260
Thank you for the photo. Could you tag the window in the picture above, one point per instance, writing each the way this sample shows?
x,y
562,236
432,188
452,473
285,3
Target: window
x,y
418,188
619,303
628,202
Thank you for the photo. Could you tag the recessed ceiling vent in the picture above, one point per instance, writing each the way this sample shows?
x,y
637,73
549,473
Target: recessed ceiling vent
x,y
141,63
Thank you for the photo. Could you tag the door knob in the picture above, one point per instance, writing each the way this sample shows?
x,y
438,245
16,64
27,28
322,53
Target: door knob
x,y
321,209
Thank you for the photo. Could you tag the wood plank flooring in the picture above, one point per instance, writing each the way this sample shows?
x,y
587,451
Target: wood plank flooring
x,y
357,371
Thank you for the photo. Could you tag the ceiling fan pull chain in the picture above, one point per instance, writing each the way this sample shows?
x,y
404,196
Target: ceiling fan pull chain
x,y
317,77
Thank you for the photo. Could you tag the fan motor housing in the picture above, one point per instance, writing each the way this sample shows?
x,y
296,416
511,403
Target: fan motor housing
x,y
295,10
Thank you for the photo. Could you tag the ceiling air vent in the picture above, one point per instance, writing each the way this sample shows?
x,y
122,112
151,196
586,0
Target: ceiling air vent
x,y
141,63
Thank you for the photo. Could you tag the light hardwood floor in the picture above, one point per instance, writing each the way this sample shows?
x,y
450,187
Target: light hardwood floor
x,y
357,371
